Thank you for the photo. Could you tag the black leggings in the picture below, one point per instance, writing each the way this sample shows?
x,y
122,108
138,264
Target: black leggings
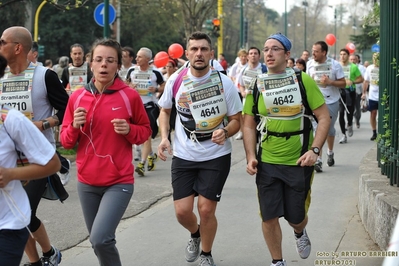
x,y
349,98
35,189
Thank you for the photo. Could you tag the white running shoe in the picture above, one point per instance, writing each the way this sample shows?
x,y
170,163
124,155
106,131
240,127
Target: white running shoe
x,y
193,249
350,131
66,176
239,135
280,263
303,245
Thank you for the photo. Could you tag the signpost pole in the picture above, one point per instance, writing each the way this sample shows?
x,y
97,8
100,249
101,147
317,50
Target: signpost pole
x,y
106,18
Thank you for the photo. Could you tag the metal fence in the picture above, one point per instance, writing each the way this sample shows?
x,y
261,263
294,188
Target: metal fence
x,y
388,110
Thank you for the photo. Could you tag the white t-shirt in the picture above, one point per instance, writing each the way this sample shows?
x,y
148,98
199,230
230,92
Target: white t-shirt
x,y
359,87
240,76
123,71
235,71
153,82
15,210
372,76
185,148
331,94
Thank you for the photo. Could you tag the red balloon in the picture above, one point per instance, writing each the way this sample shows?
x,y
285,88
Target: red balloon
x,y
175,51
330,39
351,47
161,59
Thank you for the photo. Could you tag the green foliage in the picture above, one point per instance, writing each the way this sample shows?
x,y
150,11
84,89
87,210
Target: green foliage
x,y
371,30
59,29
365,40
373,19
12,14
155,27
385,138
63,151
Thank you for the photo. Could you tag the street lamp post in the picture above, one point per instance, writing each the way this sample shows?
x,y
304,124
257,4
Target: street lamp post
x,y
335,32
305,4
242,23
285,18
36,33
106,19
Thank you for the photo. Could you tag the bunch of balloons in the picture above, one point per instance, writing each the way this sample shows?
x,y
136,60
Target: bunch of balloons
x,y
175,51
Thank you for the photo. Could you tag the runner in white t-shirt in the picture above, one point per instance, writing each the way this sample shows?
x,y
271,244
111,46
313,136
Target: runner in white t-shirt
x,y
201,144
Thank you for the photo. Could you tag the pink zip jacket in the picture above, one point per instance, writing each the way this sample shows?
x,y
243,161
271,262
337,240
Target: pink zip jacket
x,y
104,157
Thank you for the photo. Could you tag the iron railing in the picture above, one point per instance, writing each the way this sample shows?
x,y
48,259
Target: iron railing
x,y
388,109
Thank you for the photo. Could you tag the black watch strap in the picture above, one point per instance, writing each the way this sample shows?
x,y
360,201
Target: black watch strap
x,y
46,124
316,150
226,133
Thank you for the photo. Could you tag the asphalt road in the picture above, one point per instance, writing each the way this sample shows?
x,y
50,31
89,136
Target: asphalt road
x,y
150,234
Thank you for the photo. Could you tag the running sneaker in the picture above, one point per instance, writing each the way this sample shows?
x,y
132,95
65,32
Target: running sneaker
x,y
65,176
303,245
373,137
350,131
343,139
279,263
151,162
239,135
140,169
330,159
193,249
53,260
318,166
206,261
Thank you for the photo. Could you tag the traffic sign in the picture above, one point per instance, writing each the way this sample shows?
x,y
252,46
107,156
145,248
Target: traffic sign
x,y
99,14
375,48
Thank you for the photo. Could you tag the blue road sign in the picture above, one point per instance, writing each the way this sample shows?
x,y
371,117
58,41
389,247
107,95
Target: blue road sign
x,y
99,14
375,48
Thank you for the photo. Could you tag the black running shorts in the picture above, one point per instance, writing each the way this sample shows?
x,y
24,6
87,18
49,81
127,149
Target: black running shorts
x,y
284,191
152,112
200,178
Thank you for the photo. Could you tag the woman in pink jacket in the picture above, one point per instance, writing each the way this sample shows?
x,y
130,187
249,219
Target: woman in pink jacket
x,y
104,119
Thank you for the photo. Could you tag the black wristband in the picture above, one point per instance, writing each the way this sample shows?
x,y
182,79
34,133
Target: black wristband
x,y
46,124
226,133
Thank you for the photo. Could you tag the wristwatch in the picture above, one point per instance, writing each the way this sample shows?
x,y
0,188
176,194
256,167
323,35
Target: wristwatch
x,y
316,150
46,124
226,133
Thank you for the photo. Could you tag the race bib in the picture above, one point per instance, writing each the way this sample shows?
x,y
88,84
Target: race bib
x,y
281,95
16,91
206,101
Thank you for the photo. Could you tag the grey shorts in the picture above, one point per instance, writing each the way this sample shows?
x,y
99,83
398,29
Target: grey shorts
x,y
333,108
284,191
200,178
